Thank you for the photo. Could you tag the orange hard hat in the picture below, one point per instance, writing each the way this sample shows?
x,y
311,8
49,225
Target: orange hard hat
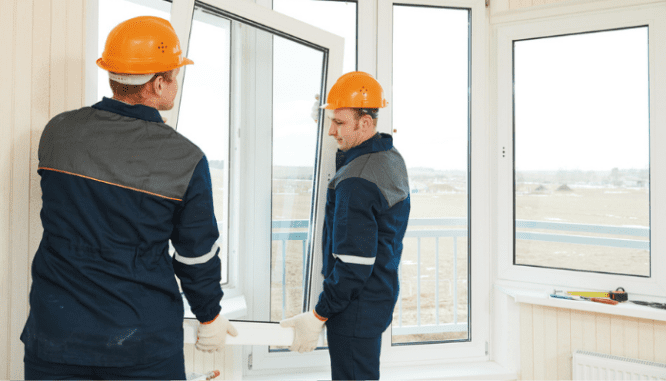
x,y
142,45
356,89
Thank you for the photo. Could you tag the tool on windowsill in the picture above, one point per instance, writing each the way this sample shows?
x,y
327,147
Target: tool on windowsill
x,y
649,304
601,300
557,294
614,296
563,297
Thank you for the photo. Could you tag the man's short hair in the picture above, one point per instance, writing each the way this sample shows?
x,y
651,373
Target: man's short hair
x,y
360,112
127,90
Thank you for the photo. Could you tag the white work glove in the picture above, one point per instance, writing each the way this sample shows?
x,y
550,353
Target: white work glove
x,y
212,335
315,109
307,328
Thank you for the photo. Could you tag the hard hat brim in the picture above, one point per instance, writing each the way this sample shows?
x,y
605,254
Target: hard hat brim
x,y
105,66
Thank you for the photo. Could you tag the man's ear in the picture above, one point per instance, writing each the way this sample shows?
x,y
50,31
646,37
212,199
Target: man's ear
x,y
157,85
366,122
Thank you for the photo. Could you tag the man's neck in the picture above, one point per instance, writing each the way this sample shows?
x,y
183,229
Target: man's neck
x,y
134,101
364,140
125,101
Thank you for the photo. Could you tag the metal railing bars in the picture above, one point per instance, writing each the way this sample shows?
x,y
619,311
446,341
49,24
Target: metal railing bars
x,y
439,327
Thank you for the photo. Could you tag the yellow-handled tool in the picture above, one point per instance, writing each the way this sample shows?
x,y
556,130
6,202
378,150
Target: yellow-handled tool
x,y
617,295
589,294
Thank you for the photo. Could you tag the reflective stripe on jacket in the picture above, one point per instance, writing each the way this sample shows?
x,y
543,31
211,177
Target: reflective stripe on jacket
x,y
117,185
367,209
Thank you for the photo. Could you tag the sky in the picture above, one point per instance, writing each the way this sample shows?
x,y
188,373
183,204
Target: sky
x,y
581,102
586,105
430,86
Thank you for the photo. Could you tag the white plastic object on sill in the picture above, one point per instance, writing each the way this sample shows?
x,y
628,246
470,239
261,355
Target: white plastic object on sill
x,y
251,333
622,309
232,308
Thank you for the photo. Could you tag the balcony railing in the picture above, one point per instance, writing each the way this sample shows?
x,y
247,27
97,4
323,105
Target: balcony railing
x,y
399,328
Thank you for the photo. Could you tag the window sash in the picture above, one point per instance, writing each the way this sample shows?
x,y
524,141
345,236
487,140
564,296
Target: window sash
x,y
524,157
652,16
252,151
479,183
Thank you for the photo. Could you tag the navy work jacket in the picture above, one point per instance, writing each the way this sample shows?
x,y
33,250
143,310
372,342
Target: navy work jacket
x,y
367,209
117,185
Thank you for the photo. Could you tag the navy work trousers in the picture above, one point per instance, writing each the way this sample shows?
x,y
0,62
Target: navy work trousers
x,y
354,358
172,368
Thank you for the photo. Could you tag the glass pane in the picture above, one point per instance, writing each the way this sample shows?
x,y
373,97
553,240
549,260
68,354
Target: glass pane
x,y
112,13
582,152
340,19
204,111
297,75
234,62
431,85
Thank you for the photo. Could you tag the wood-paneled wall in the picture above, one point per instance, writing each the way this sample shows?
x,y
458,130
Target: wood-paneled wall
x,y
549,336
515,4
42,73
41,70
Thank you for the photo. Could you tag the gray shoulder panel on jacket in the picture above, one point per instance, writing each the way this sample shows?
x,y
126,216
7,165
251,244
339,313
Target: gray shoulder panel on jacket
x,y
133,153
386,169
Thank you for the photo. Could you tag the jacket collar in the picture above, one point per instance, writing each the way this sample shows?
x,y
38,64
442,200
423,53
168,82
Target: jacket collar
x,y
379,142
133,111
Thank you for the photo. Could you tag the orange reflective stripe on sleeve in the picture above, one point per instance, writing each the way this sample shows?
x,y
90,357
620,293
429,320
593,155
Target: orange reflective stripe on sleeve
x,y
208,322
110,183
318,316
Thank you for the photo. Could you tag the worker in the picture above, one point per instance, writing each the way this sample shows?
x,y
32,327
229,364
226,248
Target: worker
x,y
117,185
367,208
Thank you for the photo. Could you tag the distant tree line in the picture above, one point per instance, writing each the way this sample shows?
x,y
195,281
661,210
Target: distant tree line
x,y
294,173
615,176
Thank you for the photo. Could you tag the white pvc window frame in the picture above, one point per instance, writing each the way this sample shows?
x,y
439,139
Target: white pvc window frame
x,y
653,16
476,349
251,155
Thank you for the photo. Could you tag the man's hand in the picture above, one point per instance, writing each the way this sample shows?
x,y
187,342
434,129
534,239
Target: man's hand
x,y
307,328
315,109
213,334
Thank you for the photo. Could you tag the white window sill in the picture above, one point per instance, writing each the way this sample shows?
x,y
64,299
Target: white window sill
x,y
466,371
621,309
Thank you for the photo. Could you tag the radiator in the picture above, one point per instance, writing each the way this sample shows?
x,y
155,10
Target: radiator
x,y
596,366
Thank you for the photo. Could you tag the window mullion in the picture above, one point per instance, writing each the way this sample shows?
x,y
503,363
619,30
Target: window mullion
x,y
181,20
